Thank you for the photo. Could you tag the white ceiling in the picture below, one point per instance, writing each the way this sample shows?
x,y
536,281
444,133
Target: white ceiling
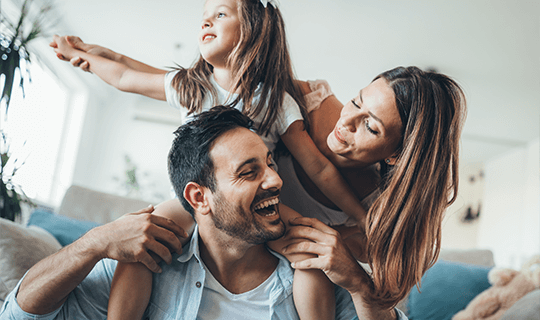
x,y
491,47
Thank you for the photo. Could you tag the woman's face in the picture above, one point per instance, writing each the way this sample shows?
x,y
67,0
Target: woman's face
x,y
369,128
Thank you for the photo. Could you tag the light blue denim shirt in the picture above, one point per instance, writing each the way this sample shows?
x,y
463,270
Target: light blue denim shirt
x,y
176,293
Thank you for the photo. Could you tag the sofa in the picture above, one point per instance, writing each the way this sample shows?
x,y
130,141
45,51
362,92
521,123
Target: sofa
x,y
447,287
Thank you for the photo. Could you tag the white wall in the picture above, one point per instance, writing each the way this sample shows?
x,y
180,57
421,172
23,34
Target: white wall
x,y
457,234
110,133
510,223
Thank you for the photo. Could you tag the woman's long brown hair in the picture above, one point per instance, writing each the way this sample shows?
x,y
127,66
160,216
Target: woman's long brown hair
x,y
261,57
404,224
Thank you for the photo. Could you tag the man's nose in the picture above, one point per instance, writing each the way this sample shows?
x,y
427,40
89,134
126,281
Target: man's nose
x,y
271,179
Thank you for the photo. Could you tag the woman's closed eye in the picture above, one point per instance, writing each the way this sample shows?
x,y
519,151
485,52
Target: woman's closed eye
x,y
369,128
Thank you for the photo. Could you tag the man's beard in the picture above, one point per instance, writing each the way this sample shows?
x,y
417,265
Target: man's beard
x,y
238,223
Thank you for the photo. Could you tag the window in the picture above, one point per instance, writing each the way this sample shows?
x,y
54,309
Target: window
x,y
35,127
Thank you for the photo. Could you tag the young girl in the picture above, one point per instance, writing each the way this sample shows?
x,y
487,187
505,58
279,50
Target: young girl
x,y
244,63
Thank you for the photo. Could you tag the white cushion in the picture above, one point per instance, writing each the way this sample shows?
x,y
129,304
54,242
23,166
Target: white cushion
x,y
20,248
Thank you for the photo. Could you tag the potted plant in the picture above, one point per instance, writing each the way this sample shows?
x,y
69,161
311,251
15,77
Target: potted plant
x,y
14,40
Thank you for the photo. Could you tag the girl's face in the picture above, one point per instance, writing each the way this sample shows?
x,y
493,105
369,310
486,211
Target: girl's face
x,y
369,128
220,31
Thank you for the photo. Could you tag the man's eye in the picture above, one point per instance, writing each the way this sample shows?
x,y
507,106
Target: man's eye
x,y
247,174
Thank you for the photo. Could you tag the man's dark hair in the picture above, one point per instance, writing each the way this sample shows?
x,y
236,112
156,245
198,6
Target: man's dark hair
x,y
189,158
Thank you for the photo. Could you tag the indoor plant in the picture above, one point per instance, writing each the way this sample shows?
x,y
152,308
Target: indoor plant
x,y
14,60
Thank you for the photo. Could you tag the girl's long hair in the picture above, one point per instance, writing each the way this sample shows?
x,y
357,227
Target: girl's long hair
x,y
261,57
404,223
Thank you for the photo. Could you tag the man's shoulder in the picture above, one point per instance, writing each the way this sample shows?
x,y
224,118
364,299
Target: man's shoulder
x,y
283,269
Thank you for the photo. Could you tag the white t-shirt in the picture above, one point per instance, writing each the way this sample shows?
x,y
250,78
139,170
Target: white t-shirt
x,y
218,303
290,111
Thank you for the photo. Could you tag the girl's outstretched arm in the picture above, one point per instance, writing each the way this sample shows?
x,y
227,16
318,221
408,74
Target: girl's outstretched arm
x,y
97,50
128,75
313,293
132,282
322,172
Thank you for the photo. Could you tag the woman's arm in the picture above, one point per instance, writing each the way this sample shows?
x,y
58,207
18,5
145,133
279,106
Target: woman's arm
x,y
322,172
336,261
128,75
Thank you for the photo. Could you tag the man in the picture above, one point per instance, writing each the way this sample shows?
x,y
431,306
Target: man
x,y
225,174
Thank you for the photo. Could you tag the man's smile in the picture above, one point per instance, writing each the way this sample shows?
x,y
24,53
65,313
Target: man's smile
x,y
267,208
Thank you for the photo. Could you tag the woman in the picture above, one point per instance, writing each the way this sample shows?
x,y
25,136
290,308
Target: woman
x,y
407,122
406,126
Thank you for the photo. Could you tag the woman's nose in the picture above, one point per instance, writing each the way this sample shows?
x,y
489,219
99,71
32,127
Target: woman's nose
x,y
350,120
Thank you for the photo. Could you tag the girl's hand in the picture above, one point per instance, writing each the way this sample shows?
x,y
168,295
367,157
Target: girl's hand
x,y
77,43
64,51
333,256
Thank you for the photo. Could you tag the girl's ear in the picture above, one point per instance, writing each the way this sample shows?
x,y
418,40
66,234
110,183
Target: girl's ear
x,y
196,196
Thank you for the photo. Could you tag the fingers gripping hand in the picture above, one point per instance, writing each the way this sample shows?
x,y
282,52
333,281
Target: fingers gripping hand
x,y
62,48
333,257
94,49
78,44
79,62
133,236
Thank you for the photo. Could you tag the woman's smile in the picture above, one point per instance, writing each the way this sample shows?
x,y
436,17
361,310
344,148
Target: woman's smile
x,y
339,136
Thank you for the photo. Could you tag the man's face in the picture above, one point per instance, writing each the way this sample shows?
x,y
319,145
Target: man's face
x,y
244,205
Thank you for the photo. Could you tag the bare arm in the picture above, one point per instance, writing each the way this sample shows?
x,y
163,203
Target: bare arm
x,y
313,293
132,282
322,172
128,239
122,72
97,50
336,261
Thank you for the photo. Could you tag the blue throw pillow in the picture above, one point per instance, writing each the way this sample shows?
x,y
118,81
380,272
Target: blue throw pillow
x,y
64,229
447,288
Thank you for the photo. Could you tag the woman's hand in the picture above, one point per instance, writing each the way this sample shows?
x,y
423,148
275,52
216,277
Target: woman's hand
x,y
333,256
337,262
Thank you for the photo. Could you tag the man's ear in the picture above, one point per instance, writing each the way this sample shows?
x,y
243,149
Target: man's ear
x,y
196,196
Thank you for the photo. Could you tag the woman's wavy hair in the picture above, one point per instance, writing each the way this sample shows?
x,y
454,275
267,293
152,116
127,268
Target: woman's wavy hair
x,y
404,223
260,57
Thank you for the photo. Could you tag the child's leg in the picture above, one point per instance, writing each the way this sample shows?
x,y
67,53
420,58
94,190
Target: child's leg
x,y
130,291
313,293
132,282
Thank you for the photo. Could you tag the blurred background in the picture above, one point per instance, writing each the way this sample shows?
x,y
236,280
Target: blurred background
x,y
70,128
